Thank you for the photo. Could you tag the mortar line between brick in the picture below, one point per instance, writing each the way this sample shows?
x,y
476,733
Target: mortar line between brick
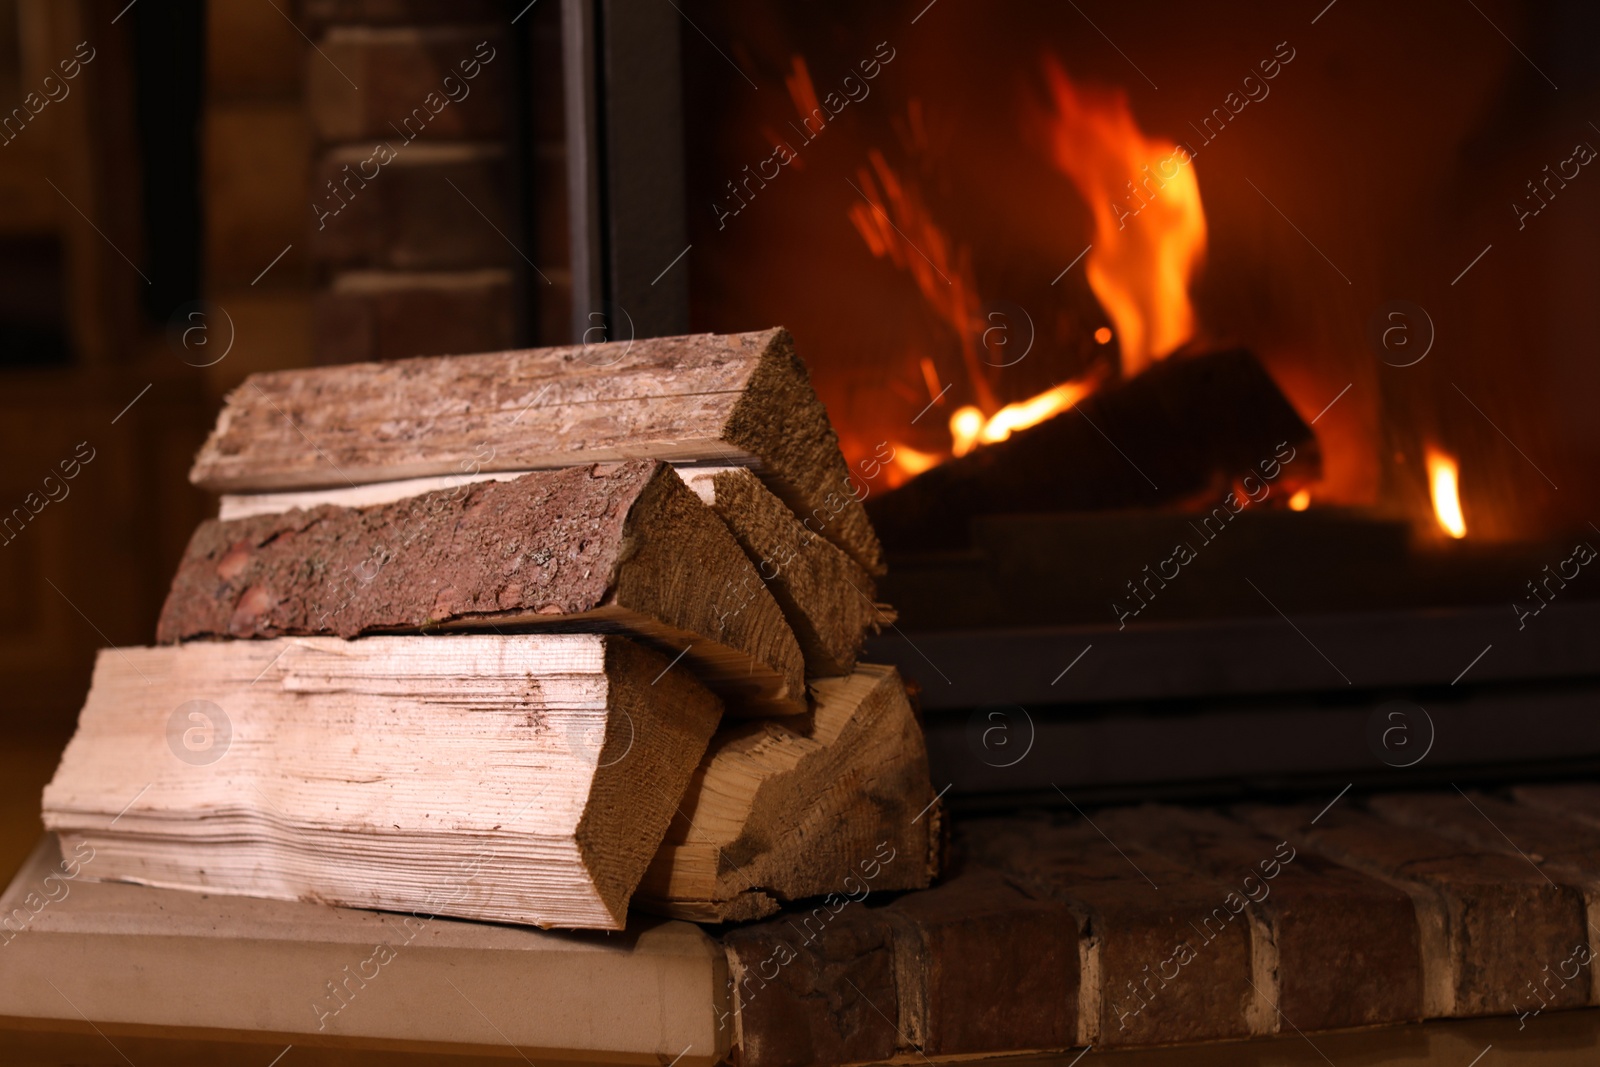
x,y
900,1033
1290,1021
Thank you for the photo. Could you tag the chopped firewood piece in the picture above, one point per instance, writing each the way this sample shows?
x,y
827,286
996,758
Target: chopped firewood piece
x,y
736,399
525,778
826,596
619,546
835,804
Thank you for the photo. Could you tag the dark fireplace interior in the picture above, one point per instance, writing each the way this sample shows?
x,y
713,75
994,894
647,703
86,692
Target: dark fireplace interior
x,y
975,223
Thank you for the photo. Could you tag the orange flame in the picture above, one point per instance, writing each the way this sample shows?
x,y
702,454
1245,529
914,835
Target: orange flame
x,y
946,283
1150,230
896,225
1140,273
908,463
969,429
1444,485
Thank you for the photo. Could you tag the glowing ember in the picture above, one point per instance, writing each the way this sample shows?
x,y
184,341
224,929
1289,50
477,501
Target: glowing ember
x,y
1444,485
966,425
969,429
1103,335
1150,230
908,463
1300,501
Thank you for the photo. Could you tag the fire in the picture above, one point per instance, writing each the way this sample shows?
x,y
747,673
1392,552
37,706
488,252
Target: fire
x,y
908,463
1300,501
1139,268
1150,230
896,225
1444,485
969,429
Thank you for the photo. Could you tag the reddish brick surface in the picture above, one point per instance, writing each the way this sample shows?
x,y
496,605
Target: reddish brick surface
x,y
1565,851
1579,802
1172,958
1488,921
1343,946
432,207
815,987
1371,920
984,967
1547,840
396,84
372,315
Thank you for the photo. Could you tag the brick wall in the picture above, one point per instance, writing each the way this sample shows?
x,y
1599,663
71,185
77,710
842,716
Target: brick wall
x,y
417,238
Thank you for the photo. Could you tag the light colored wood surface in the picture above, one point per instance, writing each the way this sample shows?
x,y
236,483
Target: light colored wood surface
x,y
244,505
128,956
782,810
525,778
738,399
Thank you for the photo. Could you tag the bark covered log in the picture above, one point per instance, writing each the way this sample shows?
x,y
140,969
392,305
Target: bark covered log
x,y
734,399
613,546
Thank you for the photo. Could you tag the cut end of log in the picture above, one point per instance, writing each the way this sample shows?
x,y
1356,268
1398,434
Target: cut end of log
x,y
836,804
826,596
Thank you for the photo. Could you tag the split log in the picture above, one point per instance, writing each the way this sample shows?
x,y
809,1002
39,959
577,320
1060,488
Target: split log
x,y
525,778
805,573
613,546
248,505
1185,430
732,400
839,805
826,596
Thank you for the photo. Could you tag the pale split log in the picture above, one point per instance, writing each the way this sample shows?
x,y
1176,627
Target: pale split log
x,y
526,778
610,546
736,399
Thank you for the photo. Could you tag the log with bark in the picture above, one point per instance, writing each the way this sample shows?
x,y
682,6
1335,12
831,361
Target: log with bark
x,y
525,778
611,546
730,400
1185,430
826,596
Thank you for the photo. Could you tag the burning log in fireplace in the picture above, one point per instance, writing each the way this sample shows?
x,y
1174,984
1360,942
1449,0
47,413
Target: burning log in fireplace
x,y
1184,431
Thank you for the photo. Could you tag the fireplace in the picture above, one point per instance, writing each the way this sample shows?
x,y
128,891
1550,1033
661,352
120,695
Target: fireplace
x,y
980,224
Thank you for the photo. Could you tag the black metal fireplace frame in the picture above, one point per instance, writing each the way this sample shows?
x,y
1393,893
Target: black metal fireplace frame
x,y
627,220
1154,706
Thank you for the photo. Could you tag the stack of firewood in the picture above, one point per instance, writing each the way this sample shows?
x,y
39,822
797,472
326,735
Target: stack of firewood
x,y
524,636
